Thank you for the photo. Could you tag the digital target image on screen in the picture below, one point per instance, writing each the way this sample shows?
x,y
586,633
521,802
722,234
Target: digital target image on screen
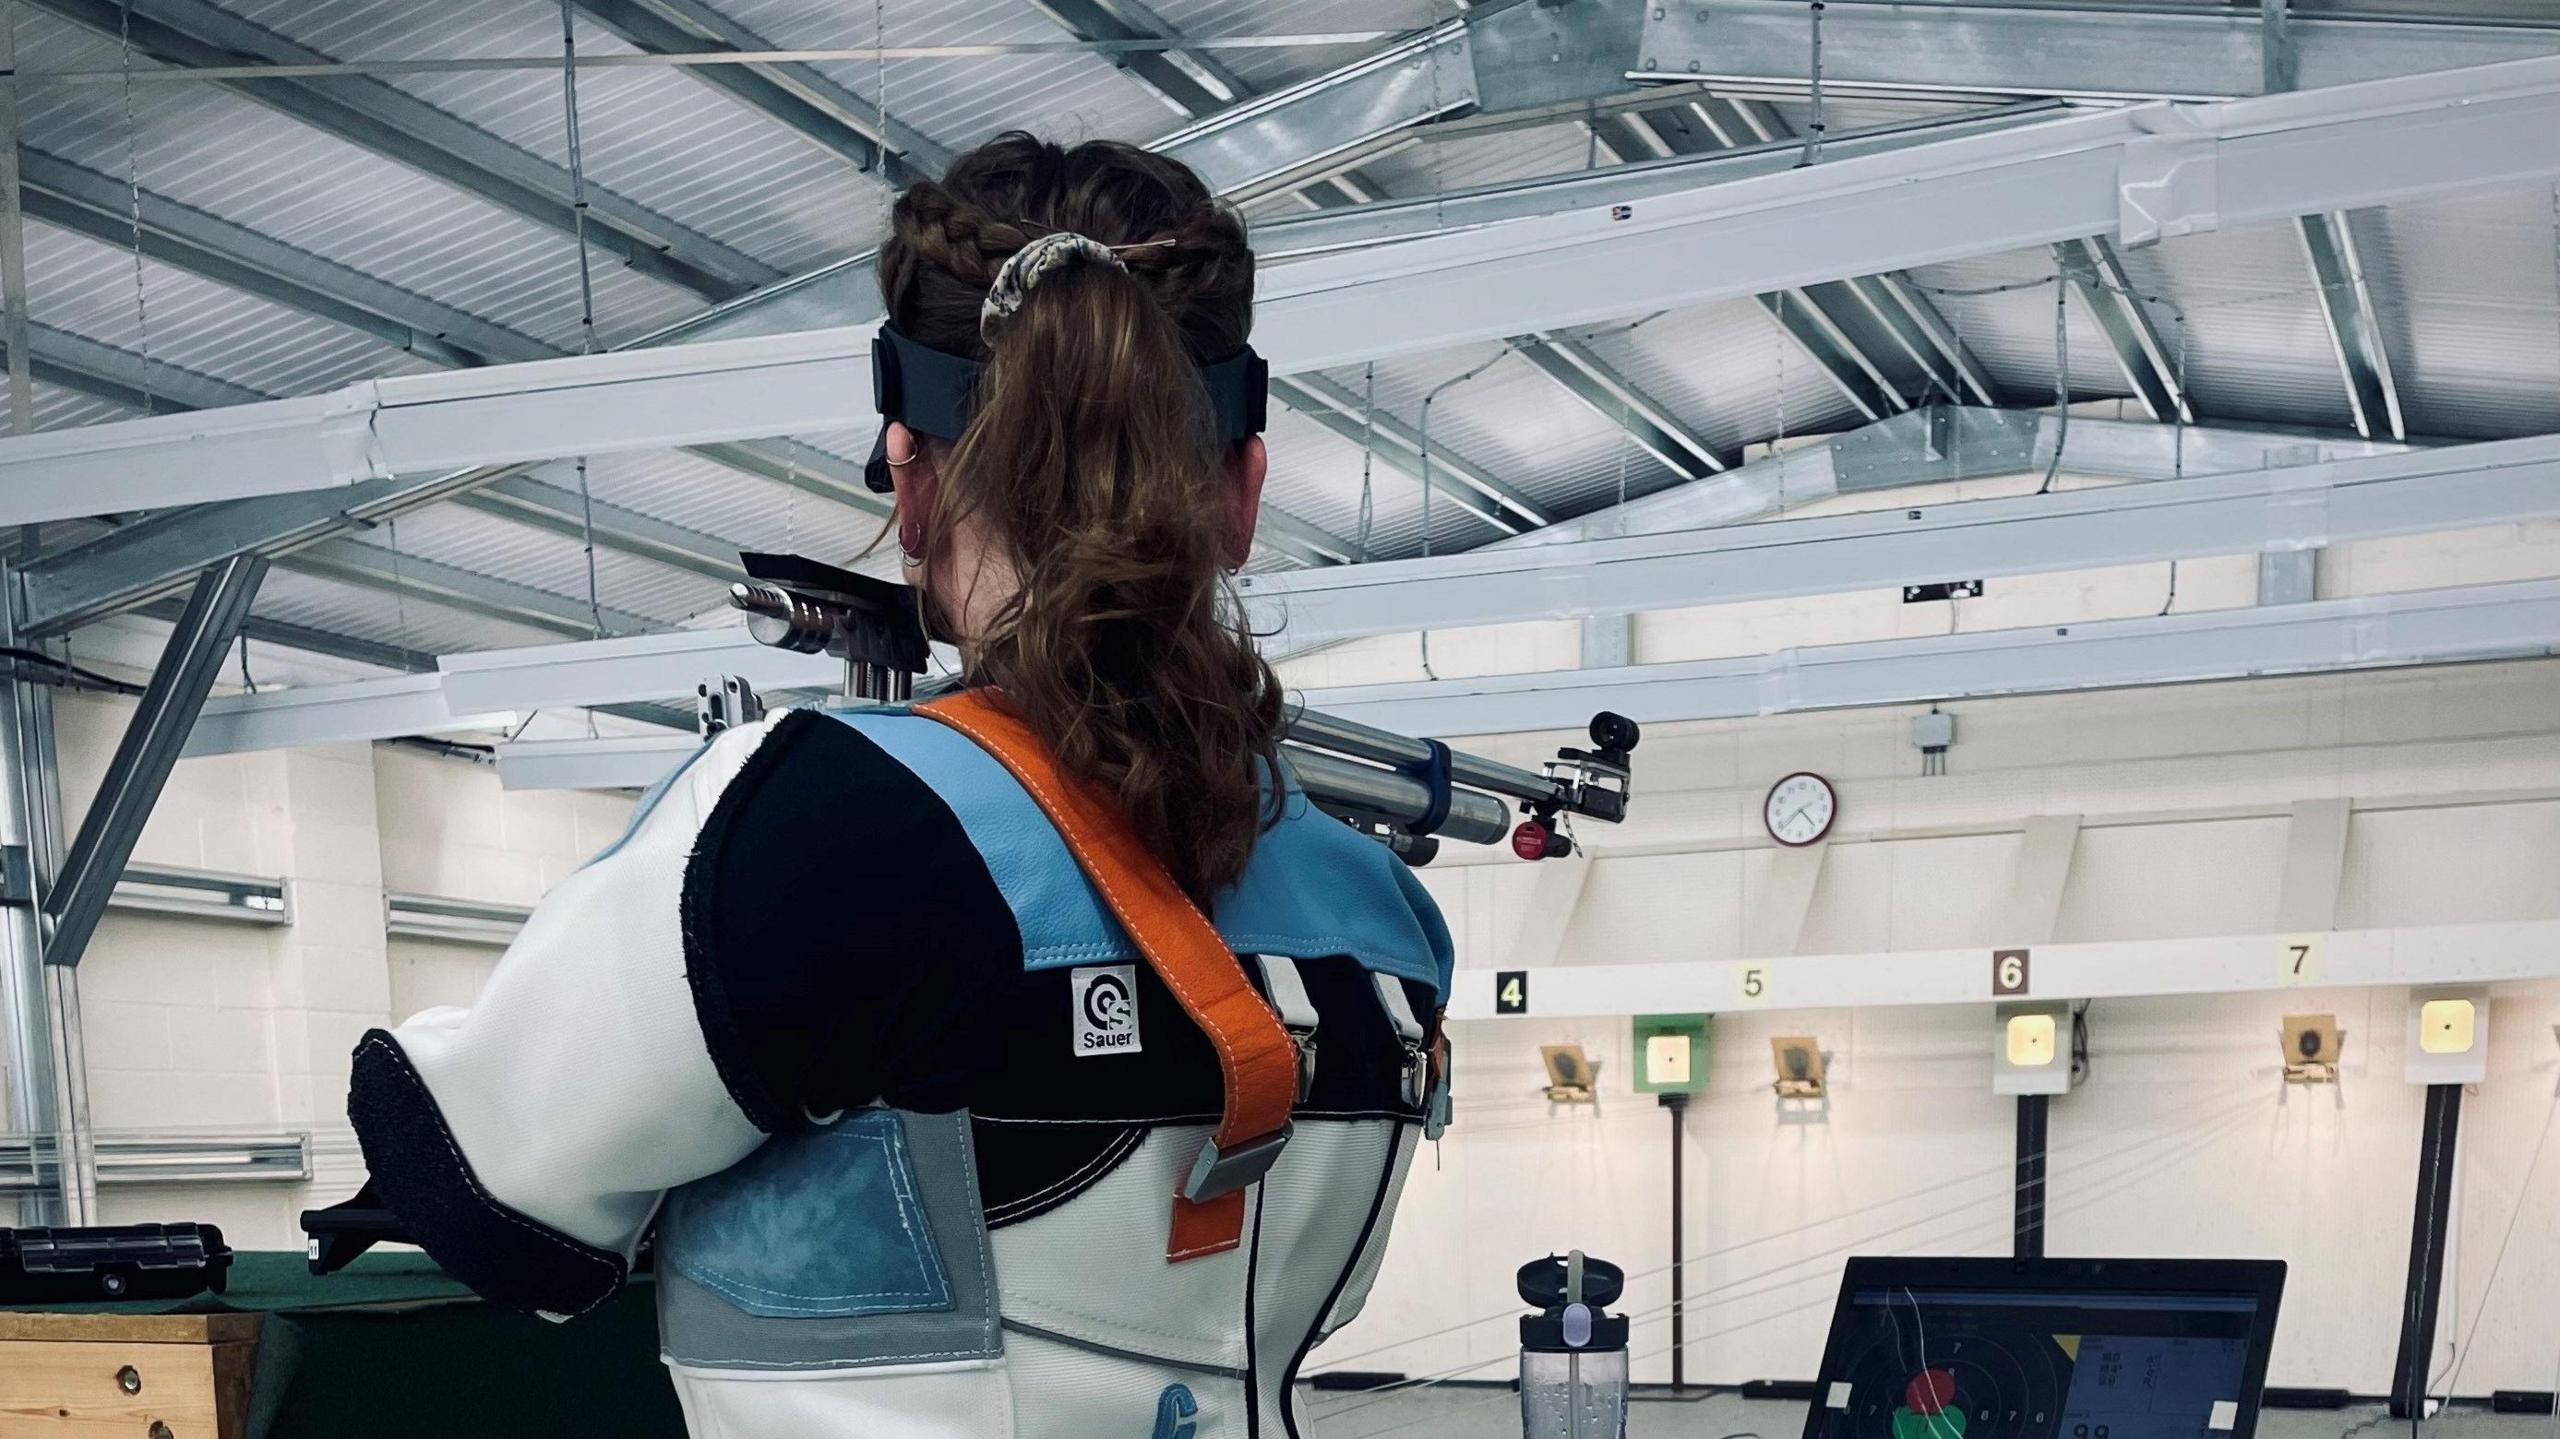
x,y
1911,1361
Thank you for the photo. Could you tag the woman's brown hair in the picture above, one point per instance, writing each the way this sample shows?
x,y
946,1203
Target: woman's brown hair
x,y
1092,466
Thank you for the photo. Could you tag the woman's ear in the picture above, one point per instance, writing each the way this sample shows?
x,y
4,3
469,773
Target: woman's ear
x,y
911,475
1248,465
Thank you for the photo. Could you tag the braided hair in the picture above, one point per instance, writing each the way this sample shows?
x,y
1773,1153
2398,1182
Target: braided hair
x,y
1092,467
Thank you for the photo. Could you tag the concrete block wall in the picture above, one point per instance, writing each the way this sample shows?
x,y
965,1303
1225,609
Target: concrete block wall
x,y
449,830
201,1026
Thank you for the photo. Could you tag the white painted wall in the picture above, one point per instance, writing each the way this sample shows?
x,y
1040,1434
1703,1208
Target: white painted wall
x,y
199,1026
2184,1142
448,830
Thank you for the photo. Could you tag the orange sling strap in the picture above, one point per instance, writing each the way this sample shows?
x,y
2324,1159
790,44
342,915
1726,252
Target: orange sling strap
x,y
1255,1057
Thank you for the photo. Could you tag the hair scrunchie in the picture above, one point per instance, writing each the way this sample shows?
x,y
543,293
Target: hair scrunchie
x,y
1023,268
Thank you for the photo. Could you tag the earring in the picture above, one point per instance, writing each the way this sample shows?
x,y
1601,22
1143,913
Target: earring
x,y
911,540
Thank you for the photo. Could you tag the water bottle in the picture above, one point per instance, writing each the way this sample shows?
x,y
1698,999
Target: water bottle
x,y
1573,1354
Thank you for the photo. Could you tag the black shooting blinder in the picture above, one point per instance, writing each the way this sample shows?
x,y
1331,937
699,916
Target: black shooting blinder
x,y
930,391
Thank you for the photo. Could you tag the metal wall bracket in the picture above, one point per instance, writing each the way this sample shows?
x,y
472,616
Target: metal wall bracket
x,y
17,875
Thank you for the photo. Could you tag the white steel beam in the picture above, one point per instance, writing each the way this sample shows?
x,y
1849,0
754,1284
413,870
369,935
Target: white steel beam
x,y
2483,622
2121,969
1975,49
2144,172
2302,507
420,424
331,714
2141,173
2445,626
1943,444
647,666
1911,449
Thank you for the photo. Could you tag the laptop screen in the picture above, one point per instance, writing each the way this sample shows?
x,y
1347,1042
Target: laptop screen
x,y
1922,1361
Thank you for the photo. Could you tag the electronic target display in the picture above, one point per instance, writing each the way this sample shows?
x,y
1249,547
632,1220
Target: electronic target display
x,y
2046,1349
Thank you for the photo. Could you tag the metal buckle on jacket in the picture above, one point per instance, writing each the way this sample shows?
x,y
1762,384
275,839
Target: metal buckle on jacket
x,y
1438,1106
1224,1171
1304,1040
1436,1113
1417,1075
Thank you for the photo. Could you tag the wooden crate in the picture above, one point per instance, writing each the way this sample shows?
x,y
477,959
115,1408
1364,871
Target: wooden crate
x,y
126,1376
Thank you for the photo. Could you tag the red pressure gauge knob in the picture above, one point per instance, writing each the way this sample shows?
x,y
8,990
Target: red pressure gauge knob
x,y
1533,840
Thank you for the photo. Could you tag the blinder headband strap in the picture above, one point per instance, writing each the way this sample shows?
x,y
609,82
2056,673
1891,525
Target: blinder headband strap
x,y
929,391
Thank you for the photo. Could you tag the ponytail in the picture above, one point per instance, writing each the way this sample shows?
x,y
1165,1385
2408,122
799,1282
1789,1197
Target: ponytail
x,y
1091,465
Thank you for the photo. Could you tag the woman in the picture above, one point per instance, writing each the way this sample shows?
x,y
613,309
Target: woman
x,y
904,1031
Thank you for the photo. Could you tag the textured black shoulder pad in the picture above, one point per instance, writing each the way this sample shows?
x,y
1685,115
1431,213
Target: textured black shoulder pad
x,y
838,921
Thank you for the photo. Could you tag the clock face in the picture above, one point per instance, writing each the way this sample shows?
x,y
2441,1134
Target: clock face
x,y
1799,809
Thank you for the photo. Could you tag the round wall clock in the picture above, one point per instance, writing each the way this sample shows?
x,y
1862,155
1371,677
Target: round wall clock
x,y
1799,809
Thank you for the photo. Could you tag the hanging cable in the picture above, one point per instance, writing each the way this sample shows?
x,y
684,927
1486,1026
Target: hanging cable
x,y
399,588
1439,176
586,287
791,503
1368,452
248,681
1778,446
2178,419
1814,127
66,673
2167,604
133,198
1425,446
2061,377
1626,449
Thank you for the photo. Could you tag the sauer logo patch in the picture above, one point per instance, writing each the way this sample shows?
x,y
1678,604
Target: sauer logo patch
x,y
1105,1001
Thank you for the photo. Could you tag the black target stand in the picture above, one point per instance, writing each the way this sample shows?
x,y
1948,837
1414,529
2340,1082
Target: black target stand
x,y
2033,1112
2426,1249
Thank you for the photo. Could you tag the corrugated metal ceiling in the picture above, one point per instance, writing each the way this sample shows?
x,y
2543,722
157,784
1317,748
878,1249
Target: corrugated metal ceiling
x,y
2465,289
961,102
1279,67
86,288
414,623
2469,294
2244,308
231,157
